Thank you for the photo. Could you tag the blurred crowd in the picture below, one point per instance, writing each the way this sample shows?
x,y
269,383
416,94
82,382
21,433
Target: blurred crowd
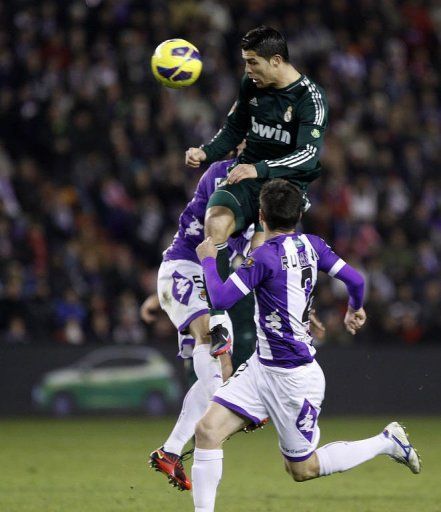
x,y
92,178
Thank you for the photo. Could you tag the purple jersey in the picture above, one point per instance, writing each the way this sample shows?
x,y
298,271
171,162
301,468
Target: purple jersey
x,y
283,273
191,221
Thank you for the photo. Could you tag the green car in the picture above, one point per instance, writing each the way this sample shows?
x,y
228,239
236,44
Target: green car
x,y
113,378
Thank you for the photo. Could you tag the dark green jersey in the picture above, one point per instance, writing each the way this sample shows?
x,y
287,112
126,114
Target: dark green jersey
x,y
283,128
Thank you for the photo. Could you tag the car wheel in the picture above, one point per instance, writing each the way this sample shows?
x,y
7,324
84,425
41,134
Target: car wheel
x,y
155,404
62,405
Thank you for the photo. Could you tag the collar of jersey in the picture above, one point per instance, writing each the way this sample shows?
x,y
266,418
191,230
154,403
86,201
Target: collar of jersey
x,y
296,234
289,86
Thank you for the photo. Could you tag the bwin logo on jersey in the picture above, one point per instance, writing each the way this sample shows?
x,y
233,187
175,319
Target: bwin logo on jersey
x,y
194,228
269,132
274,323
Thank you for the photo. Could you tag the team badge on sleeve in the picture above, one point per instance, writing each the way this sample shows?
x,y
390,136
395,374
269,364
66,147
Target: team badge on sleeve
x,y
315,133
248,262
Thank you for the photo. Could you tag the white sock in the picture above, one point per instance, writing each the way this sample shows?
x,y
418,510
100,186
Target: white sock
x,y
208,369
195,403
206,474
225,320
220,318
342,455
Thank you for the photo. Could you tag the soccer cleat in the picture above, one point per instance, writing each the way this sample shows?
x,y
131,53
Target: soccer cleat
x,y
251,427
220,340
171,465
404,452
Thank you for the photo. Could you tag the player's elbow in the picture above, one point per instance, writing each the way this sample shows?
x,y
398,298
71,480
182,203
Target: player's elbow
x,y
358,280
216,301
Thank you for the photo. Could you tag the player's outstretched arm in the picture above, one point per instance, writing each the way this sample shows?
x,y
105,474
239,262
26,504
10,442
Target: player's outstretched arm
x,y
334,266
223,295
355,315
150,308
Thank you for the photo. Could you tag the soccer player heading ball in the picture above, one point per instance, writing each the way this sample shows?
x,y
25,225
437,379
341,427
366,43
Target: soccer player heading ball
x,y
282,115
282,379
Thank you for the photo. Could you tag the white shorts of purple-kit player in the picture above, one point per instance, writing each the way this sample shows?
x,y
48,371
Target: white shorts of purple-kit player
x,y
182,296
292,398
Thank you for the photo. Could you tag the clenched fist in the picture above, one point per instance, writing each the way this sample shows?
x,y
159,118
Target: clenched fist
x,y
206,249
194,157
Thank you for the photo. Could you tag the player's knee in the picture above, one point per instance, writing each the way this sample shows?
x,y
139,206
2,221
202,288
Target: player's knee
x,y
302,475
219,223
206,433
303,471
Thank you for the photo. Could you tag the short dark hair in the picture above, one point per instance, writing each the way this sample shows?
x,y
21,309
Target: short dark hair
x,y
266,42
281,203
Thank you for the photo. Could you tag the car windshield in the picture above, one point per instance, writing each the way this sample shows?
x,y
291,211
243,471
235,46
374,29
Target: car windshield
x,y
121,362
112,360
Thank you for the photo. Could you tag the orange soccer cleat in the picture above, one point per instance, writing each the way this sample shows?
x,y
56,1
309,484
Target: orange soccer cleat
x,y
171,465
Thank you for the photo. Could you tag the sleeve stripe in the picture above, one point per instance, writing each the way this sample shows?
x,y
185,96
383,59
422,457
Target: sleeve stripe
x,y
240,284
296,161
293,161
304,152
338,265
317,99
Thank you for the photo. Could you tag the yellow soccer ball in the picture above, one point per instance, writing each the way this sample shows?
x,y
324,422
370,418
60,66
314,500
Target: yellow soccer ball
x,y
176,63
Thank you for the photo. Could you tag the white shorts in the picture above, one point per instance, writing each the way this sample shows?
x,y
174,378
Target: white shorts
x,y
290,397
182,296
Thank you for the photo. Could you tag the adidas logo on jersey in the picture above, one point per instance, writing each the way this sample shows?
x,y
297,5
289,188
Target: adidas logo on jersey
x,y
270,132
253,101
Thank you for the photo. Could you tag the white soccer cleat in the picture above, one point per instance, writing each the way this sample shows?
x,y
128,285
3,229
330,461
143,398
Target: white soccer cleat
x,y
404,452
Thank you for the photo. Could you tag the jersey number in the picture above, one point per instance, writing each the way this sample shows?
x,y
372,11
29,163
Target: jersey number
x,y
307,280
198,281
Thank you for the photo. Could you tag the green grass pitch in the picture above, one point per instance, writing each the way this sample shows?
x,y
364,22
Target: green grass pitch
x,y
98,465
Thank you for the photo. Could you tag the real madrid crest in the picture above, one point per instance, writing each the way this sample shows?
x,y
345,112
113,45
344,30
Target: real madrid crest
x,y
287,116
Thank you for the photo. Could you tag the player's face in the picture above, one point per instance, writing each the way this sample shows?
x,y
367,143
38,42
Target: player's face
x,y
258,69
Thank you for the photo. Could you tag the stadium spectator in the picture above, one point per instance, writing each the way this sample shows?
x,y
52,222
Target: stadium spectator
x,y
91,153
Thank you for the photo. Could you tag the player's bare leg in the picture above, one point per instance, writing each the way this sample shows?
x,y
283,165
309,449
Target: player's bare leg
x,y
217,424
303,470
220,225
342,455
